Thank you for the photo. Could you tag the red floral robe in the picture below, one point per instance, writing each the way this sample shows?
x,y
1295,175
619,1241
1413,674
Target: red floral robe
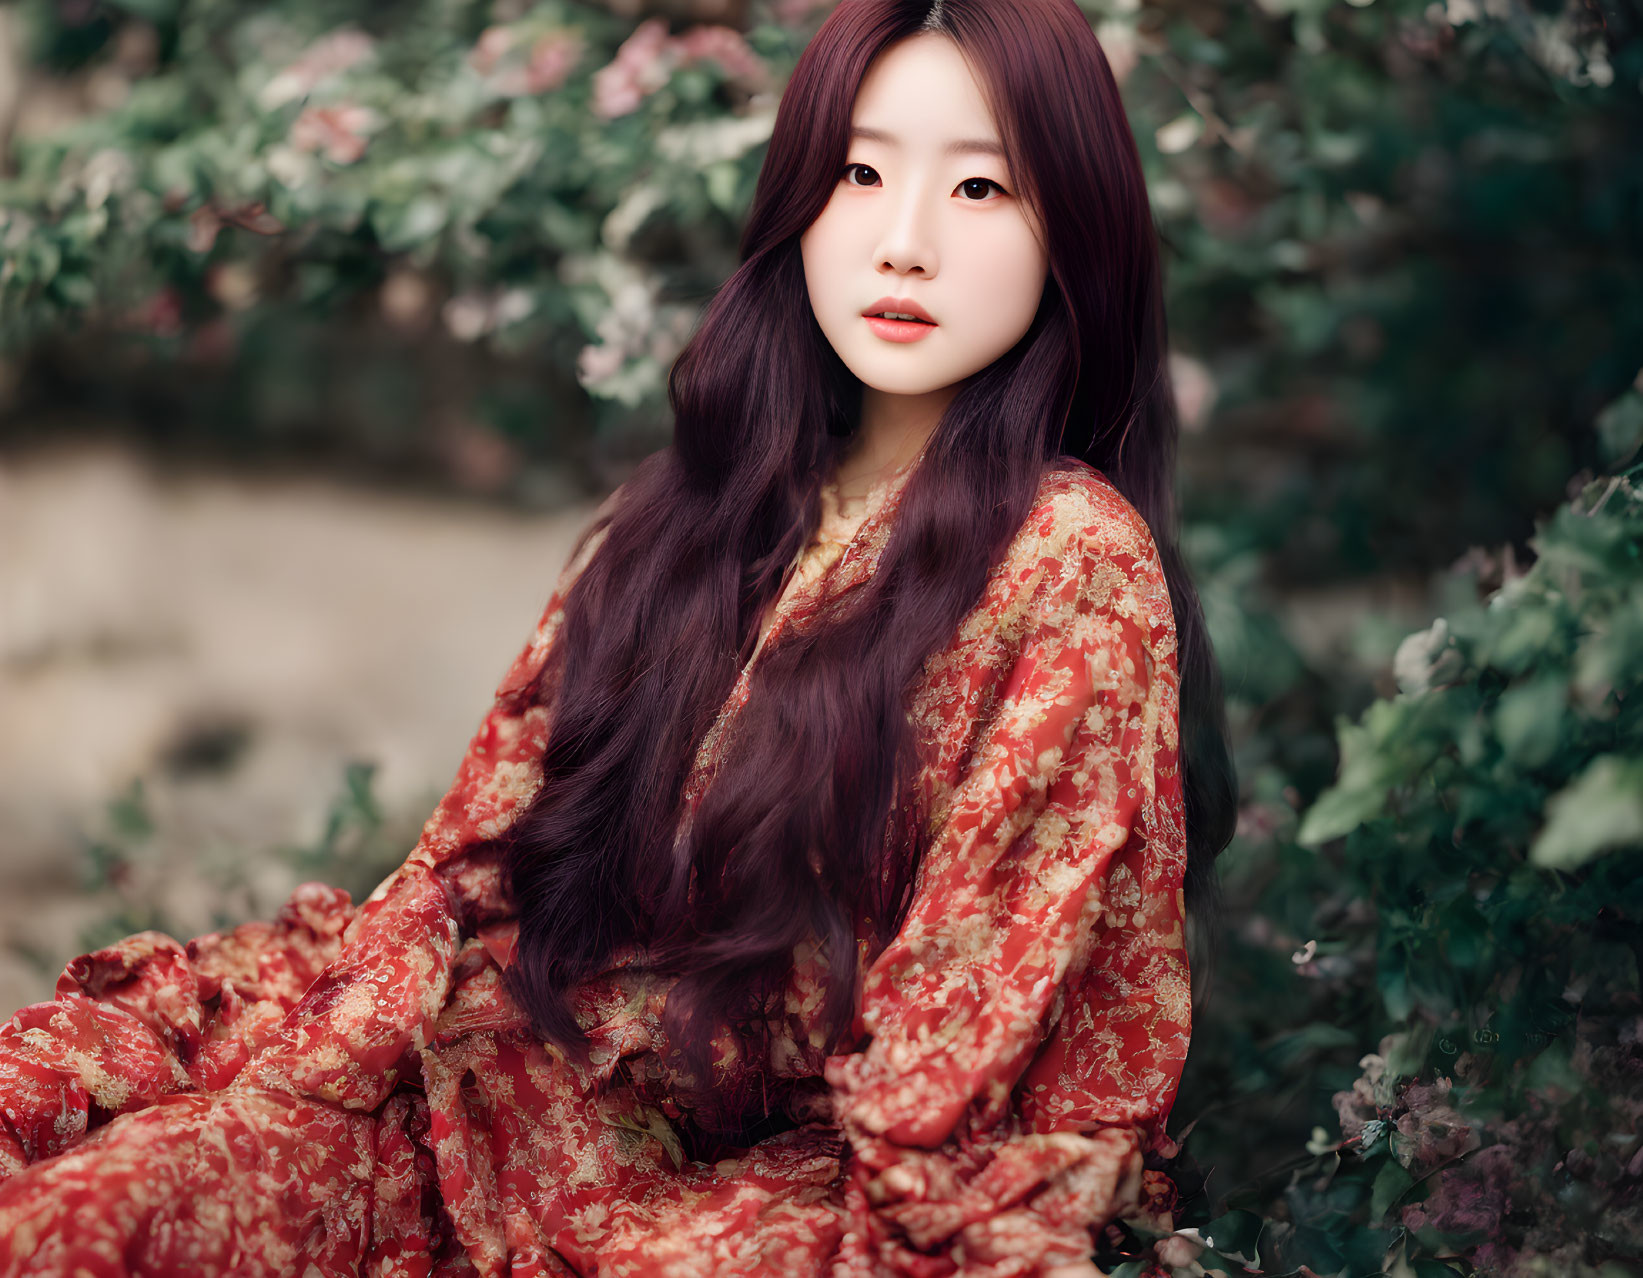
x,y
349,1091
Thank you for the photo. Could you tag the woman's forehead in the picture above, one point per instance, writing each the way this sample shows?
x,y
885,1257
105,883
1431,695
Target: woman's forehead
x,y
922,91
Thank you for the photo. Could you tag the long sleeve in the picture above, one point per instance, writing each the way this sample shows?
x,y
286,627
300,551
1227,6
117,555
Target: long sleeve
x,y
1030,1020
321,1001
348,1038
147,1016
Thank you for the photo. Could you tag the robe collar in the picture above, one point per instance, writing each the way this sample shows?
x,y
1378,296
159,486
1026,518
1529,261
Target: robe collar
x,y
854,567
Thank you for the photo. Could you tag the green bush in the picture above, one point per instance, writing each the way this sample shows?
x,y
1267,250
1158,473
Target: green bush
x,y
1402,271
1493,815
1473,913
293,199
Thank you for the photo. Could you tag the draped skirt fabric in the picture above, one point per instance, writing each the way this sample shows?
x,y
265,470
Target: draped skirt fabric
x,y
492,1155
350,1091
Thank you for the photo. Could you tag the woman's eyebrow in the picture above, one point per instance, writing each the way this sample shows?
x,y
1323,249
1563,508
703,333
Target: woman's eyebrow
x,y
960,146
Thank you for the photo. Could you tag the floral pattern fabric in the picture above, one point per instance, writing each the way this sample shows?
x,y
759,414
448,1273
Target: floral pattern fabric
x,y
350,1091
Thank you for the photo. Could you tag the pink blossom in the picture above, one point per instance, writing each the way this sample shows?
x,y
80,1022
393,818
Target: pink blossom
x,y
160,315
595,363
1494,1258
553,57
407,299
648,56
551,61
471,315
203,225
1471,1195
728,48
339,131
493,42
1367,1100
233,285
640,67
328,56
792,12
479,458
1432,1132
545,67
213,342
1177,1252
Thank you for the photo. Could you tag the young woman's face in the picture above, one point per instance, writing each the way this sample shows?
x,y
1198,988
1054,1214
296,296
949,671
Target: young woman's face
x,y
913,217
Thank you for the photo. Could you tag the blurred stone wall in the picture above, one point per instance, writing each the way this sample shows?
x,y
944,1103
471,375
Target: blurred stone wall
x,y
235,643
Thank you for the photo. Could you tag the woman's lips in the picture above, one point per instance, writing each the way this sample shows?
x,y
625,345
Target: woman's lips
x,y
899,330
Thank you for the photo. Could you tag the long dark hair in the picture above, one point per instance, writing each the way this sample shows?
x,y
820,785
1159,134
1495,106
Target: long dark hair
x,y
658,625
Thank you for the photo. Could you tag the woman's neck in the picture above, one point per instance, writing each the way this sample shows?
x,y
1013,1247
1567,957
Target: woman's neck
x,y
893,431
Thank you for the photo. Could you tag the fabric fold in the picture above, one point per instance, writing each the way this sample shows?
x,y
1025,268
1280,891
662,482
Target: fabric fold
x,y
352,1088
970,1153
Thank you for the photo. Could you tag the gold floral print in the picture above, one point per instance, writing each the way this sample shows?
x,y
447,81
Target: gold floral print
x,y
350,1090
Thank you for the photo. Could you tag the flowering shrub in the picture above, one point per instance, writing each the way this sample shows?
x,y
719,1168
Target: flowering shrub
x,y
1475,914
1339,184
1493,813
434,177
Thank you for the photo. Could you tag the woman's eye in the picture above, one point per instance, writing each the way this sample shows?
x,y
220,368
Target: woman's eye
x,y
983,184
976,186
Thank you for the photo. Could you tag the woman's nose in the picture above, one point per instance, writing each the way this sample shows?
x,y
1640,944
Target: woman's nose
x,y
908,239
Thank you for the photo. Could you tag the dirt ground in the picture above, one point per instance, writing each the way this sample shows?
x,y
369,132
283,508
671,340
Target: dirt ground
x,y
234,643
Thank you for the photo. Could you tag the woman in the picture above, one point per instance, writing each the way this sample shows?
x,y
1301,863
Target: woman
x,y
810,899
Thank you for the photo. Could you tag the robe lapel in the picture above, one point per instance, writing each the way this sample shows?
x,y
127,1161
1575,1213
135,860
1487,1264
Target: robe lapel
x,y
854,568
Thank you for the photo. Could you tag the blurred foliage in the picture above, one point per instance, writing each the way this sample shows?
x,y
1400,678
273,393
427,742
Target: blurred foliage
x,y
1493,813
1466,899
357,846
1404,236
1405,272
314,209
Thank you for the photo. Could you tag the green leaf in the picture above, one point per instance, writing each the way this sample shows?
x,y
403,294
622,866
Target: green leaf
x,y
1620,426
1465,933
1527,636
1392,975
1236,1234
1391,1183
646,1120
1601,809
1529,719
405,226
1396,741
1553,1071
129,814
1610,658
723,183
75,289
